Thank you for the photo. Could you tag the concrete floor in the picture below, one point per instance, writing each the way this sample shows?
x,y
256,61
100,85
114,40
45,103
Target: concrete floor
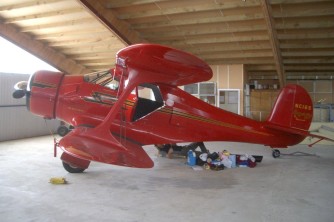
x,y
292,188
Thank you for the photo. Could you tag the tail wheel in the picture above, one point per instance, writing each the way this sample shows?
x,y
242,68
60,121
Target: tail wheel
x,y
72,169
276,153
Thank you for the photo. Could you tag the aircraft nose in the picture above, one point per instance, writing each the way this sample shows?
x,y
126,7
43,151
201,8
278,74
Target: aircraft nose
x,y
42,91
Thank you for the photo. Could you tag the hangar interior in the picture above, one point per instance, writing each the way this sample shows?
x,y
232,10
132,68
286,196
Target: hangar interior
x,y
254,48
259,43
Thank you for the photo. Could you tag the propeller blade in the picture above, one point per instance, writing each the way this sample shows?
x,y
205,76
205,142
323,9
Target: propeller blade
x,y
18,94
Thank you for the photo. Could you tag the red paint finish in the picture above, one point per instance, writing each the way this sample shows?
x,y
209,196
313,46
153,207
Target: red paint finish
x,y
44,91
113,119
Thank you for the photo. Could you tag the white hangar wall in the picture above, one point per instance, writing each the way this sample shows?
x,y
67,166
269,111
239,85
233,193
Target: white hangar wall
x,y
16,122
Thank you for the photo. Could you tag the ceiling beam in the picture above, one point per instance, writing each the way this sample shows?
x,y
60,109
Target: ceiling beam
x,y
214,38
305,36
63,25
124,3
308,44
260,67
67,36
309,73
72,12
205,6
315,61
106,48
85,41
267,11
254,61
237,54
24,5
306,53
257,24
295,1
165,34
309,67
313,9
41,50
207,39
313,23
247,45
115,25
198,21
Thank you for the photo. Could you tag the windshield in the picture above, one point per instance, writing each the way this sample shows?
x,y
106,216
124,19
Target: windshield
x,y
103,78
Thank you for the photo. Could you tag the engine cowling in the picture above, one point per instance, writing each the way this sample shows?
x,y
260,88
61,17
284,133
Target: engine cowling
x,y
42,93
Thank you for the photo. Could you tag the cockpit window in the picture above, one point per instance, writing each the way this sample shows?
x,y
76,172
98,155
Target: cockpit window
x,y
103,78
149,100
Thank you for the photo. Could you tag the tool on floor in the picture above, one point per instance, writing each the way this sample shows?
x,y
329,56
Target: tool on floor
x,y
58,180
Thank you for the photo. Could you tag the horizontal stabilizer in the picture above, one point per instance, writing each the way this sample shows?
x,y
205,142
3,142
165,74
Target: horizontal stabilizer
x,y
288,130
296,131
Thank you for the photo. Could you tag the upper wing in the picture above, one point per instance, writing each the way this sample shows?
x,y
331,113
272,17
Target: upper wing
x,y
164,64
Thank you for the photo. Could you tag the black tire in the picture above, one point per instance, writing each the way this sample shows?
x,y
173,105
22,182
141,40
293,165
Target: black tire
x,y
72,169
62,130
276,153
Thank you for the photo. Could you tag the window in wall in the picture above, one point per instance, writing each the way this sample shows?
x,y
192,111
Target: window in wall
x,y
206,91
229,99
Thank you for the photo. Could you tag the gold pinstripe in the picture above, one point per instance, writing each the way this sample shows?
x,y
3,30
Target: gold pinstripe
x,y
42,84
166,110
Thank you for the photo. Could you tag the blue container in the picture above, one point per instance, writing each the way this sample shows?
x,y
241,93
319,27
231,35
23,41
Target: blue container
x,y
191,160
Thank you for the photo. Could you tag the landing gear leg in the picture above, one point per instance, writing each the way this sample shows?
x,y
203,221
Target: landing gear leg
x,y
276,153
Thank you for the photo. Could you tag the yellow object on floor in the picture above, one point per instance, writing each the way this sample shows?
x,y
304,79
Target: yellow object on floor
x,y
58,180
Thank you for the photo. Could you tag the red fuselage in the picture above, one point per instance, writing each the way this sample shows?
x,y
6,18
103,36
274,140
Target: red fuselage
x,y
180,118
116,112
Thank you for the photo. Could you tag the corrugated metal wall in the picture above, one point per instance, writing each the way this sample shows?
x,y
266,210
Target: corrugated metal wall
x,y
16,121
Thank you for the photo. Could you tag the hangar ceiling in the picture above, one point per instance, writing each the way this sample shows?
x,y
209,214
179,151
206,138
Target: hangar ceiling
x,y
275,39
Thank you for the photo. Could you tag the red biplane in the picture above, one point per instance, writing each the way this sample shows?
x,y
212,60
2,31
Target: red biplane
x,y
139,102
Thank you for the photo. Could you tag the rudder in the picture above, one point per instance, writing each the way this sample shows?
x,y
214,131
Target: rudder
x,y
293,108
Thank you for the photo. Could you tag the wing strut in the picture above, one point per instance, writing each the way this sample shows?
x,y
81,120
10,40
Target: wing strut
x,y
310,145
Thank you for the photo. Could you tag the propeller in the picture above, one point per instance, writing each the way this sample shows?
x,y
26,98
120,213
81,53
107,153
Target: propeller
x,y
20,90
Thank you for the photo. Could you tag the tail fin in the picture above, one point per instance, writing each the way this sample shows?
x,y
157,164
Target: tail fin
x,y
293,108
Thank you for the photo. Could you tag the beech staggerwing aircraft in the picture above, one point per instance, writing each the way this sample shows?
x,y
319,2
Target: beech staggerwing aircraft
x,y
116,112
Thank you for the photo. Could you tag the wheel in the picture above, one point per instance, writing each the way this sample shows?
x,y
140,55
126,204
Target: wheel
x,y
276,153
72,169
62,130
